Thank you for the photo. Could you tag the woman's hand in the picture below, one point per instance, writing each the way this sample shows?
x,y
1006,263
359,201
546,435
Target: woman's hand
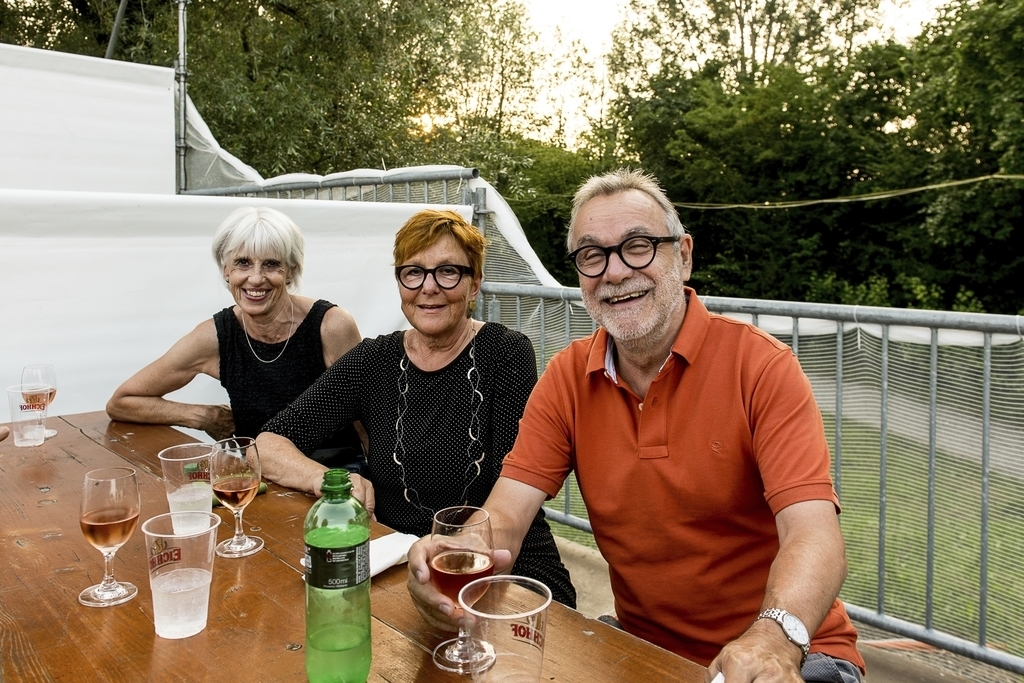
x,y
4,432
362,490
220,422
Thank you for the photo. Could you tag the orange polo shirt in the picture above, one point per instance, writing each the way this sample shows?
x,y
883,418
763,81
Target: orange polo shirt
x,y
682,486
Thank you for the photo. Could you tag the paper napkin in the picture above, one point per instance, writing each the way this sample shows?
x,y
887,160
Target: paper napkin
x,y
387,551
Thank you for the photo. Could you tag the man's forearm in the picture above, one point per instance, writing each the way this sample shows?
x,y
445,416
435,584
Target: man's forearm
x,y
810,568
512,506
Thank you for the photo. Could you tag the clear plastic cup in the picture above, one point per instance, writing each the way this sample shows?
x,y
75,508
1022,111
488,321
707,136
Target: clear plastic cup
x,y
28,404
507,614
180,570
186,471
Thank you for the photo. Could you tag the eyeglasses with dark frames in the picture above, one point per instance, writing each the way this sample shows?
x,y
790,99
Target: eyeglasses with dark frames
x,y
446,275
637,252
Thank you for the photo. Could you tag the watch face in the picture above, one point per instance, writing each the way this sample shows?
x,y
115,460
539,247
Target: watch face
x,y
795,629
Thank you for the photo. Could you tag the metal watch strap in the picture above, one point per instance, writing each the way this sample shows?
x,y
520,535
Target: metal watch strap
x,y
776,614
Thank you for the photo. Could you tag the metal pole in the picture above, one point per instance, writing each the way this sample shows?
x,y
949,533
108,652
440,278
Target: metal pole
x,y
181,76
480,213
883,468
933,384
112,43
986,469
838,477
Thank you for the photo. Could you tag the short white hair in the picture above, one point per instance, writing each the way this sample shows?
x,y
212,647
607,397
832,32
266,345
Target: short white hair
x,y
263,233
623,180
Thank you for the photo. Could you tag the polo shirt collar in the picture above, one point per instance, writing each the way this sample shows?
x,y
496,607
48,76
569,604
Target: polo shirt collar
x,y
687,344
694,330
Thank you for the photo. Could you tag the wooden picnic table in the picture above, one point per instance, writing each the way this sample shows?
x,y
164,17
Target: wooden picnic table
x,y
256,627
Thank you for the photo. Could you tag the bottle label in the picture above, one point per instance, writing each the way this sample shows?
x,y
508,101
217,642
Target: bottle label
x,y
337,567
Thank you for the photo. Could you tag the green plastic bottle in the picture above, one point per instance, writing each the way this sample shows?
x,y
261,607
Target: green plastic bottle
x,y
337,535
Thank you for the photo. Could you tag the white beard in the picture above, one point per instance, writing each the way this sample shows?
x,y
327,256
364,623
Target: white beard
x,y
646,325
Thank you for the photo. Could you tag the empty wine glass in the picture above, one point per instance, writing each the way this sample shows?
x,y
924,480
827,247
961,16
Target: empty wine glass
x,y
42,373
235,472
463,544
109,515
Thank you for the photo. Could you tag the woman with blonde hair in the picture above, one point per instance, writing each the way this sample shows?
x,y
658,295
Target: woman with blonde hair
x,y
265,350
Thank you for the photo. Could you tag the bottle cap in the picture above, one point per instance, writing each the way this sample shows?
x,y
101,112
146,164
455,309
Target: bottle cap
x,y
336,481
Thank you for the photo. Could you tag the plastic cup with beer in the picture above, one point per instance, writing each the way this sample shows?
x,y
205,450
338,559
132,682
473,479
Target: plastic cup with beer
x,y
180,570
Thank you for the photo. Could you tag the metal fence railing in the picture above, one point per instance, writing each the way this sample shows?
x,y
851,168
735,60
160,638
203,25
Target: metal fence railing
x,y
923,413
441,186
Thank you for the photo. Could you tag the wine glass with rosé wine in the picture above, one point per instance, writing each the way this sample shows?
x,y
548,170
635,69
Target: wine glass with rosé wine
x,y
110,513
463,547
235,473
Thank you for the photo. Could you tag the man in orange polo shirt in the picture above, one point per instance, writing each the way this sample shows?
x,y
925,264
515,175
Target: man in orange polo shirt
x,y
700,454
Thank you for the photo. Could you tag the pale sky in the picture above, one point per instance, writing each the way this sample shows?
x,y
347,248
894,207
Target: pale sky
x,y
593,20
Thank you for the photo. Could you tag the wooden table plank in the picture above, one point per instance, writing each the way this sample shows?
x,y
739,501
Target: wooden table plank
x,y
256,603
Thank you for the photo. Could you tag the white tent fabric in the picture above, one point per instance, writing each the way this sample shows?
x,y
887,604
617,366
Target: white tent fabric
x,y
104,267
100,284
70,122
207,164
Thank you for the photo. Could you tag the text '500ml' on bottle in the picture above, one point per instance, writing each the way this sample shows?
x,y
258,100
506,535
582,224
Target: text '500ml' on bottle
x,y
337,536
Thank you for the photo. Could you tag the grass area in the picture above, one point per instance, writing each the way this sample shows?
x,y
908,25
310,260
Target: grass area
x,y
956,537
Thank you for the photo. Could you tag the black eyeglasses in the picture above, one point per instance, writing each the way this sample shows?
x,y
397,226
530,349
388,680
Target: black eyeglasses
x,y
446,275
636,252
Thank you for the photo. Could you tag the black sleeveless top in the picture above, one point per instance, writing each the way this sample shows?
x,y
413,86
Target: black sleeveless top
x,y
258,391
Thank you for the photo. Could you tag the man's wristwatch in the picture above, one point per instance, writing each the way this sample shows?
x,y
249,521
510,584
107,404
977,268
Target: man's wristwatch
x,y
792,627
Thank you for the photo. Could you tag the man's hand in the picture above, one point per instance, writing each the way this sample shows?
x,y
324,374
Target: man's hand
x,y
219,422
4,432
762,654
437,609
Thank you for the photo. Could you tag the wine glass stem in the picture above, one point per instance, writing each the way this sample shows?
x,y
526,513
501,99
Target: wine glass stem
x,y
108,573
239,538
465,644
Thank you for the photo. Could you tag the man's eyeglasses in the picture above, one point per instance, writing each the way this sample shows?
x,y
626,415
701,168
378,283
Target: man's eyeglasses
x,y
636,252
446,275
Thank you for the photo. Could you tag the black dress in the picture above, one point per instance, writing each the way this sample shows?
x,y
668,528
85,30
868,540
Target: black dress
x,y
258,391
438,438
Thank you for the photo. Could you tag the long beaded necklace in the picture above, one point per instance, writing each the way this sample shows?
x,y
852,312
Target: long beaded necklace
x,y
290,333
473,468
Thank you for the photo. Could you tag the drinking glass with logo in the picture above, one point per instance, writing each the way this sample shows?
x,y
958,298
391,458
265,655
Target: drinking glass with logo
x,y
28,413
463,539
42,374
179,546
235,472
509,614
186,469
109,515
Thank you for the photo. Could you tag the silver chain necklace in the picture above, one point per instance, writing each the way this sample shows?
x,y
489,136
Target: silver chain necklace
x,y
412,496
290,333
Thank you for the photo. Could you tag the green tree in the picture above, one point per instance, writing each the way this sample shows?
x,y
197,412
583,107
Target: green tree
x,y
969,114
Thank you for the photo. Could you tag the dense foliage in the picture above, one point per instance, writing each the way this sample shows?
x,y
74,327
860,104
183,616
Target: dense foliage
x,y
746,102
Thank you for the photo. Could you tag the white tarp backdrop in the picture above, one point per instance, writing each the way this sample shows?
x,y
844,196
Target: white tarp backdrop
x,y
100,284
69,122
